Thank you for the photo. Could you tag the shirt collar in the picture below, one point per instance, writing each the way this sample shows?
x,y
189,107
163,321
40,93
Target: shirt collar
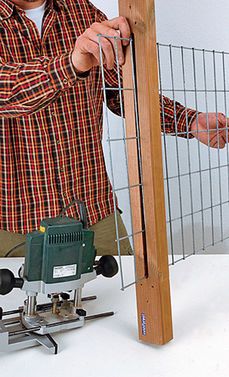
x,y
7,7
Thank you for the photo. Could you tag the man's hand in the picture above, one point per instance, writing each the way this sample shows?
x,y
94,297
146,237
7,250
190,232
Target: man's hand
x,y
210,129
86,53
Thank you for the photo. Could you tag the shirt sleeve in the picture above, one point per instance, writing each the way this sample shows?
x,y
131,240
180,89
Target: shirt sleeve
x,y
176,119
26,88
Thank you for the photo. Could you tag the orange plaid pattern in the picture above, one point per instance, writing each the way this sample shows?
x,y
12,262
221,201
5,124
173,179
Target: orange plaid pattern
x,y
51,119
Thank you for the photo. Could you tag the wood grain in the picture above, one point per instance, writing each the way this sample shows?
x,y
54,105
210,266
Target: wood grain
x,y
153,287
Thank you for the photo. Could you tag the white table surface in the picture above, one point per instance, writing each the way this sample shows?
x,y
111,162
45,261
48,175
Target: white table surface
x,y
109,347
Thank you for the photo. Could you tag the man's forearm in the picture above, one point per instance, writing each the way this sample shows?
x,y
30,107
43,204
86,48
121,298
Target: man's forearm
x,y
26,88
176,118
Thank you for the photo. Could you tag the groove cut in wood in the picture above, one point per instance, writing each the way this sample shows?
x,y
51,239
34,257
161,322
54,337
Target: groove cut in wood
x,y
153,285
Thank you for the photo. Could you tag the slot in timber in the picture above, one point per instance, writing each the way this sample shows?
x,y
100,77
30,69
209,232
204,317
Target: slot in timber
x,y
153,292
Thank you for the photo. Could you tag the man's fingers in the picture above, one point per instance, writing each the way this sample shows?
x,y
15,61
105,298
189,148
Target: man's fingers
x,y
218,140
121,24
218,145
106,45
211,129
222,120
216,120
114,40
86,46
108,52
117,46
112,46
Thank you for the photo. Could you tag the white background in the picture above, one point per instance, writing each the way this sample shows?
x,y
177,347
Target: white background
x,y
196,23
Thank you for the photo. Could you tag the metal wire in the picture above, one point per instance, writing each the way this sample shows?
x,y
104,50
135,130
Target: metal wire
x,y
197,185
125,189
196,176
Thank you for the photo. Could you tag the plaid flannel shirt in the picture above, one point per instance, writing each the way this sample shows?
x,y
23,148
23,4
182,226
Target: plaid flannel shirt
x,y
51,119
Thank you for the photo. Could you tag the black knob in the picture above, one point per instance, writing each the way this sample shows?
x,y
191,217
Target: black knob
x,y
8,281
1,313
81,312
107,266
65,296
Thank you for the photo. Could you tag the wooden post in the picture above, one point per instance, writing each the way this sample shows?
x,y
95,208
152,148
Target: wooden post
x,y
153,286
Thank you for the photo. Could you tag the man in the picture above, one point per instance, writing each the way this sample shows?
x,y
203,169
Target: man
x,y
51,116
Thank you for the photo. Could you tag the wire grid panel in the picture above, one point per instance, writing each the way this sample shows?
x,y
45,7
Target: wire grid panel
x,y
196,176
116,151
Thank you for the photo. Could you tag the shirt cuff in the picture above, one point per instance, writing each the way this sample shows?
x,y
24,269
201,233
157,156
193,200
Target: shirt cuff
x,y
184,122
63,73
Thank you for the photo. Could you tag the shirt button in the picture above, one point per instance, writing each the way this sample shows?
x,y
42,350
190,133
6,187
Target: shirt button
x,y
58,141
65,195
65,81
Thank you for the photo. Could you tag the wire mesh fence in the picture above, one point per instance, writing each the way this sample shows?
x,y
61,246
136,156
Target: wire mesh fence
x,y
196,176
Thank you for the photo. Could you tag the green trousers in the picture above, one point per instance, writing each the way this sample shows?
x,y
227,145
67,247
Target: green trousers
x,y
105,236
